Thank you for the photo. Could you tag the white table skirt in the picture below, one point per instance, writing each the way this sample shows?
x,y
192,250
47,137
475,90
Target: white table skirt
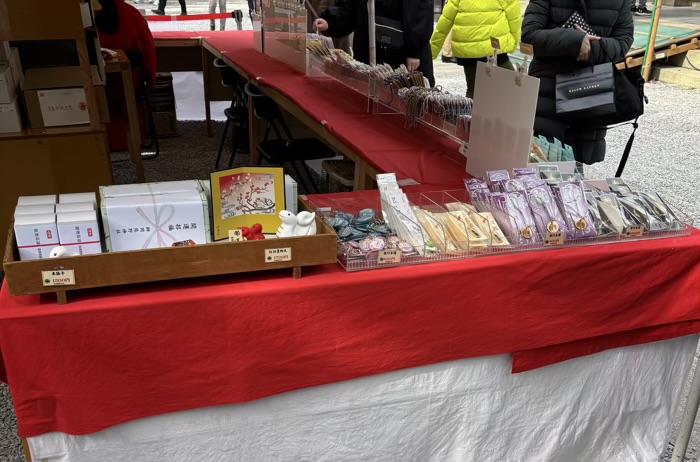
x,y
612,406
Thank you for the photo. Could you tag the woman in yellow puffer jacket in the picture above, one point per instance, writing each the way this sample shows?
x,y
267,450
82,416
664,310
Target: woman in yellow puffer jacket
x,y
473,23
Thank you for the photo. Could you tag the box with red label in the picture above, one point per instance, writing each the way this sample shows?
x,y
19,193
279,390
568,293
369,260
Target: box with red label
x,y
55,97
91,248
78,197
37,200
78,227
39,209
36,252
75,207
35,230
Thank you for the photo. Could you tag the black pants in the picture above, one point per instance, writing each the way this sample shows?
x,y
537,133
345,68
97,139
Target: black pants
x,y
183,6
470,69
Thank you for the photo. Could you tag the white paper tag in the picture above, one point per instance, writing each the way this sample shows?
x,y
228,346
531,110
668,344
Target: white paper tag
x,y
58,278
463,149
63,107
388,257
635,231
554,239
235,235
278,255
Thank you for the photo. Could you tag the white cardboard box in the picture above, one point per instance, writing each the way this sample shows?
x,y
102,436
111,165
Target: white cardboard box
x,y
291,194
16,66
34,209
154,221
37,200
10,117
37,252
74,207
78,198
142,189
36,230
77,227
8,88
5,51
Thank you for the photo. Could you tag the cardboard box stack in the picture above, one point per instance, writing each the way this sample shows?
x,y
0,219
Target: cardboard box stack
x,y
11,79
78,227
36,232
41,224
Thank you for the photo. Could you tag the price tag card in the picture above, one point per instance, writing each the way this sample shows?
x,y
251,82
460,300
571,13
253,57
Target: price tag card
x,y
635,231
278,255
235,235
527,49
495,43
463,149
554,239
58,278
389,257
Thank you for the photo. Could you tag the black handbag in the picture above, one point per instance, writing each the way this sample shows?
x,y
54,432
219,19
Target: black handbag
x,y
586,93
629,98
389,33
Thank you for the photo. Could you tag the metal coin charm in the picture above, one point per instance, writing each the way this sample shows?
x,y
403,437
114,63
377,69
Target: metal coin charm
x,y
553,227
581,225
526,232
405,247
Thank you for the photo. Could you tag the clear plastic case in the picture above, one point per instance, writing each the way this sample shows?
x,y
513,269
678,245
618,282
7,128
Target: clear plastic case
x,y
444,225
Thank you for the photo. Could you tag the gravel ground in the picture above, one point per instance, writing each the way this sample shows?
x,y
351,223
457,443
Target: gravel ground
x,y
665,158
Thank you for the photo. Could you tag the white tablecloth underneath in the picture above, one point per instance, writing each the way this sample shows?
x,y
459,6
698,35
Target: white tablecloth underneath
x,y
612,406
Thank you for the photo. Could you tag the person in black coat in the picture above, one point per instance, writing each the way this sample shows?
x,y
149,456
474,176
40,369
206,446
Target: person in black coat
x,y
559,50
416,16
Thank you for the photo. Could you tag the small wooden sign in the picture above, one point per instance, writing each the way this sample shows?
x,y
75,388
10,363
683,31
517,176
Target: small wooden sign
x,y
554,239
278,255
389,257
635,231
527,49
235,235
58,278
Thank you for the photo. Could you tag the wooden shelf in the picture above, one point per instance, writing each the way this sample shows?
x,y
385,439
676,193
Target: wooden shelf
x,y
139,266
45,20
52,132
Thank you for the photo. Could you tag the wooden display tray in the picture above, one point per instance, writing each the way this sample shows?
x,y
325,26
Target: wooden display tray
x,y
133,267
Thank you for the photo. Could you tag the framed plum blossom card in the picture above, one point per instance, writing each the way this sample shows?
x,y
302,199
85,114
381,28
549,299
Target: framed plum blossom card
x,y
245,196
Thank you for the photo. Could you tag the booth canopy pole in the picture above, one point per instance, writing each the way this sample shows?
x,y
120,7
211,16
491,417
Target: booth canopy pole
x,y
372,33
651,44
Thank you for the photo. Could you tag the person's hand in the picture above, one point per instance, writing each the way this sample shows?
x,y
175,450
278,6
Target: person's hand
x,y
585,53
320,25
412,64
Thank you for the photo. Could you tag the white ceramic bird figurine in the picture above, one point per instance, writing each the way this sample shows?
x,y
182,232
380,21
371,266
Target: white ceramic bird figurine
x,y
289,222
306,224
60,252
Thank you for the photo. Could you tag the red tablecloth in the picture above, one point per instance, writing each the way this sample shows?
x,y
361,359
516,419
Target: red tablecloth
x,y
111,356
382,141
175,35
